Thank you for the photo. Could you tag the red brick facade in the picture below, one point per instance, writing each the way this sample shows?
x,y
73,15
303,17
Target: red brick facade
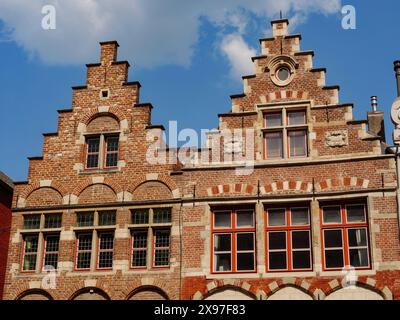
x,y
344,165
6,191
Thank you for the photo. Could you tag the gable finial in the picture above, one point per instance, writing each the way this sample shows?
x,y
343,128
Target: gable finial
x,y
280,12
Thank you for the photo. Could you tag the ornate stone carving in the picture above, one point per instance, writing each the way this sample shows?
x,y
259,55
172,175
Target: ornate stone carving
x,y
336,139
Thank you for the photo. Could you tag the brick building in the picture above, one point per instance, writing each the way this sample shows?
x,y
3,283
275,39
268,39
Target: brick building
x,y
278,211
6,193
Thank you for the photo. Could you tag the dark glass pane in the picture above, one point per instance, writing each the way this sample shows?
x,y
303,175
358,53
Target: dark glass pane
x,y
111,160
283,74
222,219
276,217
106,241
273,119
357,237
301,260
140,239
299,216
84,260
223,262
298,143
32,221
93,145
245,218
140,216
277,261
106,218
52,243
274,145
112,144
301,239
222,242
52,221
162,238
245,241
359,258
162,215
333,238
334,259
31,243
139,258
355,213
50,261
85,219
161,257
29,262
85,242
296,118
276,240
106,259
245,261
92,161
332,215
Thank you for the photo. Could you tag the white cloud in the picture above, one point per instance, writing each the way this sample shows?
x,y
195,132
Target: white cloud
x,y
150,32
238,53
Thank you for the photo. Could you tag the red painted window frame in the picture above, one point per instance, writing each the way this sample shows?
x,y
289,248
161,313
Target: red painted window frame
x,y
155,229
106,137
87,151
77,251
23,253
52,252
98,251
288,229
233,231
344,226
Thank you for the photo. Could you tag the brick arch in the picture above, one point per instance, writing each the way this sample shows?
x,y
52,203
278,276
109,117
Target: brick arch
x,y
368,283
221,285
238,188
36,185
286,186
344,182
148,288
80,187
40,292
301,285
93,113
164,179
96,290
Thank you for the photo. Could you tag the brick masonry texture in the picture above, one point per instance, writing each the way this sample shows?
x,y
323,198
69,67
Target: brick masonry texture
x,y
354,168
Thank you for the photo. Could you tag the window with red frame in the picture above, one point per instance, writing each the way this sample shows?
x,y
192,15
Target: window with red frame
x,y
30,252
345,236
106,250
285,134
161,248
233,241
288,238
51,247
84,251
102,151
139,249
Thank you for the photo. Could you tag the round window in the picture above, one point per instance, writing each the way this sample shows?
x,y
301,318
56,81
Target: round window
x,y
283,74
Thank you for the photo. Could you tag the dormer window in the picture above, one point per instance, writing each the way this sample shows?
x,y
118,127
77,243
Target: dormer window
x,y
102,151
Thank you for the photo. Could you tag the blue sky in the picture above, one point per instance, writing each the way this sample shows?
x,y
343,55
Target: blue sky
x,y
186,73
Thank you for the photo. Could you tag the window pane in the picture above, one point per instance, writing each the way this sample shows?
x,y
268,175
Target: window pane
x,y
52,243
85,219
277,261
359,258
296,118
300,216
83,261
140,216
245,261
222,242
112,151
355,213
162,215
31,244
106,218
161,257
298,143
105,259
301,239
139,244
140,239
301,260
245,218
222,219
334,259
357,237
92,161
273,119
276,217
139,258
85,242
245,241
93,147
222,262
50,261
106,241
332,215
52,221
30,262
162,238
333,239
32,221
274,148
277,240
112,144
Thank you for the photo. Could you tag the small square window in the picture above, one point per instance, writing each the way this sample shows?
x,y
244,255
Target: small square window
x,y
273,120
299,216
276,217
355,213
245,218
107,218
32,221
162,215
222,219
332,215
52,221
296,118
85,219
104,94
140,216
